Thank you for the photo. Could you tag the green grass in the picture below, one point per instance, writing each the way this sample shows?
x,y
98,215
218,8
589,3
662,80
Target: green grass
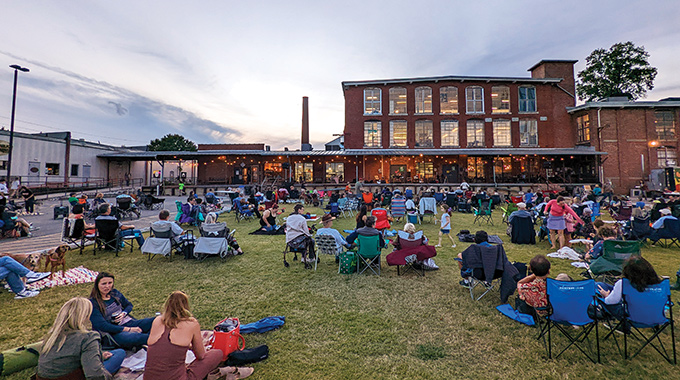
x,y
346,326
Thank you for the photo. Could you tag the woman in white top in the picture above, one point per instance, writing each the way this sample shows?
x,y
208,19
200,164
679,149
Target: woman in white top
x,y
446,227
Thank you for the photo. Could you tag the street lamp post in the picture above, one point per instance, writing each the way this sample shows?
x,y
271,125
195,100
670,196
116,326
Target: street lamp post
x,y
16,68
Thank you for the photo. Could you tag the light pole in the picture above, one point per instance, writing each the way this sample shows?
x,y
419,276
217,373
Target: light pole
x,y
16,68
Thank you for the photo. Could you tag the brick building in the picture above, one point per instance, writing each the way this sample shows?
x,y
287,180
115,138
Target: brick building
x,y
638,137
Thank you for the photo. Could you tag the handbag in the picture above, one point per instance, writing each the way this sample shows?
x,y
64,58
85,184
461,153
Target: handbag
x,y
227,337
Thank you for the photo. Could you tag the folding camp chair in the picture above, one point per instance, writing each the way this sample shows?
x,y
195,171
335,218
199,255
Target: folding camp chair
x,y
646,310
507,210
412,249
569,301
107,236
484,277
326,244
161,241
462,205
126,209
515,199
624,213
428,207
483,213
439,197
669,233
213,241
640,229
522,230
381,218
368,254
609,265
73,232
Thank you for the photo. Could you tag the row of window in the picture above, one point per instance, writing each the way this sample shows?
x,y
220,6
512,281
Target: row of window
x,y
448,100
424,133
664,124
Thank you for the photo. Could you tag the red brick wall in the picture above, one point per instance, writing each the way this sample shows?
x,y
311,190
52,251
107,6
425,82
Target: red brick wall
x,y
551,102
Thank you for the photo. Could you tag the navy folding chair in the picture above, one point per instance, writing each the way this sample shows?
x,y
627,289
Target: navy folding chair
x,y
646,310
670,234
569,301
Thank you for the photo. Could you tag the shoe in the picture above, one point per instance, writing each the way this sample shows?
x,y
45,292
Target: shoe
x,y
231,373
26,294
465,283
32,277
438,246
453,246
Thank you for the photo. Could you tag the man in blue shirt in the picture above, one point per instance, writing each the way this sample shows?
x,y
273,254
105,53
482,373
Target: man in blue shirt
x,y
12,272
665,214
328,229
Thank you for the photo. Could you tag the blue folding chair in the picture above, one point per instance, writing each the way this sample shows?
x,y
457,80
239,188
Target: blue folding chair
x,y
569,301
646,310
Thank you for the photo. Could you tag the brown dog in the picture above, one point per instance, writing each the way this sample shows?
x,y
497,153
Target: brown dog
x,y
30,260
57,257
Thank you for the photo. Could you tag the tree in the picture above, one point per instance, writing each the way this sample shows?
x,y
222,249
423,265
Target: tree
x,y
172,142
623,70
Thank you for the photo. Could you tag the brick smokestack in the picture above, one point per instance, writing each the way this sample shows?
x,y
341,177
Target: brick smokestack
x,y
305,145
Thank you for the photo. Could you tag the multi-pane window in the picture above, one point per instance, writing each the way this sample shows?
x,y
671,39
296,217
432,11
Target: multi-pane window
x,y
397,101
304,171
424,134
372,101
449,133
475,133
527,99
664,123
424,99
474,99
425,170
583,129
667,157
335,170
500,99
372,134
501,133
448,100
398,133
528,132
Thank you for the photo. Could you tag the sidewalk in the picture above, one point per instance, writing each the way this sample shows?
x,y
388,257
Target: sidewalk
x,y
48,234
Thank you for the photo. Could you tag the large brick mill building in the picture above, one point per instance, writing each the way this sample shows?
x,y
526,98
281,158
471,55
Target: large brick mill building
x,y
492,131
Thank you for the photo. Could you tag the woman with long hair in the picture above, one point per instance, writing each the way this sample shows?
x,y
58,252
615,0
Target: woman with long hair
x,y
361,217
172,334
72,350
110,314
639,272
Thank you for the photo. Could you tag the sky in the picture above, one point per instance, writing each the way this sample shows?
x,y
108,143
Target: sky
x,y
126,72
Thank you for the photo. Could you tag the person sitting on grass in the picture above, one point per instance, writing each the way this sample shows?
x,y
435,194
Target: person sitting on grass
x,y
12,272
125,229
72,351
110,314
268,219
175,332
10,221
446,226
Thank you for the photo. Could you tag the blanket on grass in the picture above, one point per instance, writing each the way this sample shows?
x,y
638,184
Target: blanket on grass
x,y
79,275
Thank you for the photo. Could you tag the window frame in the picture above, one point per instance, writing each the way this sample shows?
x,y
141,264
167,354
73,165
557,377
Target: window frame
x,y
378,128
666,160
667,133
523,103
442,106
474,100
329,174
522,134
305,168
454,132
581,128
496,97
405,126
506,123
476,143
393,93
52,168
421,100
373,102
424,124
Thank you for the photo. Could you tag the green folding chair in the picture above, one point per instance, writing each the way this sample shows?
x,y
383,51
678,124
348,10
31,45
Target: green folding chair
x,y
368,254
609,266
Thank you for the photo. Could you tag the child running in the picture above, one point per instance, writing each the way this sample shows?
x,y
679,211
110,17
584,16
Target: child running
x,y
446,227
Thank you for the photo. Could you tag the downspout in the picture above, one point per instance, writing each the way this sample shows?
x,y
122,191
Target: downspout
x,y
67,158
600,173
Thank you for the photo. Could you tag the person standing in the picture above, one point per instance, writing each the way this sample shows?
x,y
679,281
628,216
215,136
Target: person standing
x,y
445,227
29,199
14,189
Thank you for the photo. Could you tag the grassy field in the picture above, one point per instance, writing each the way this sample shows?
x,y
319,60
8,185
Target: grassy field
x,y
347,326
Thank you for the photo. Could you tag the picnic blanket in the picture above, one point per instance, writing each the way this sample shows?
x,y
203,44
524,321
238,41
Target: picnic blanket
x,y
79,275
133,365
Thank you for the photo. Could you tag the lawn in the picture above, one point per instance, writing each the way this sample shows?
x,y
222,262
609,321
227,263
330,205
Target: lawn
x,y
346,326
